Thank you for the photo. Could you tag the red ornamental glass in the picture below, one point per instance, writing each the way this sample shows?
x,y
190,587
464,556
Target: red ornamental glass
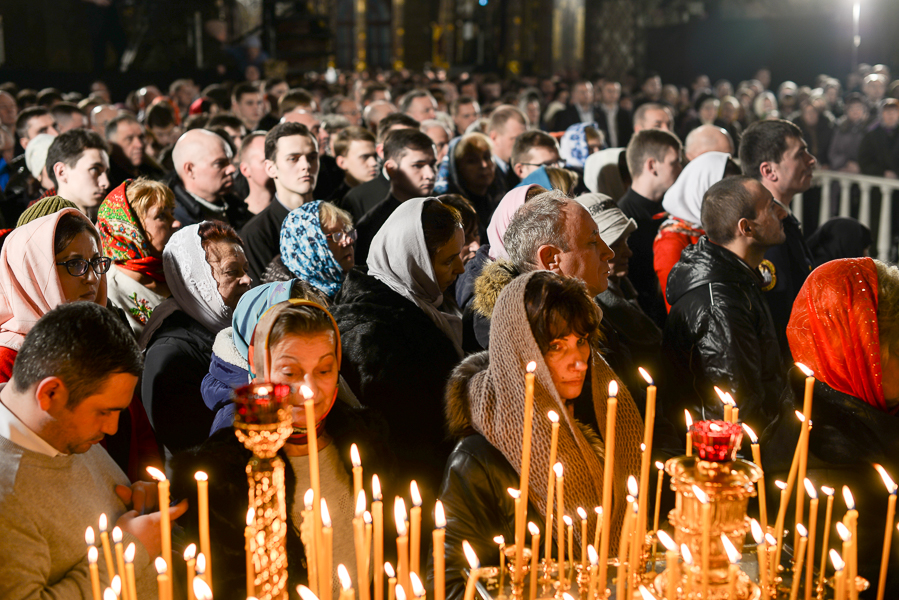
x,y
716,441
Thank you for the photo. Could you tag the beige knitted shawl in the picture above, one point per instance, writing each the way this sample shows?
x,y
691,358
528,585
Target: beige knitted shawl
x,y
497,412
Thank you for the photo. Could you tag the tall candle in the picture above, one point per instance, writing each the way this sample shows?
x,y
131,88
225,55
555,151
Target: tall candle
x,y
162,580
671,566
391,581
812,525
888,531
357,470
655,519
129,571
760,486
689,421
92,556
201,589
414,530
439,539
190,562
315,484
626,529
636,543
107,551
116,585
346,584
706,537
377,516
524,480
560,523
203,509
326,572
583,516
402,542
839,584
418,590
594,567
475,572
501,542
803,453
535,554
800,557
597,530
851,521
646,462
733,556
825,542
312,550
366,517
846,536
608,468
359,546
120,558
165,524
569,529
248,539
785,492
762,553
550,486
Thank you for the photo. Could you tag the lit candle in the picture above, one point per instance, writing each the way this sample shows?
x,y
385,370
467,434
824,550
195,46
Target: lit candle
x,y
414,530
550,486
594,567
673,575
598,529
788,490
583,516
825,542
248,535
325,569
839,583
706,537
569,529
688,564
560,524
402,541
315,484
439,539
760,486
524,481
535,554
116,585
359,546
608,468
851,521
399,592
312,551
305,593
646,462
655,519
346,584
120,558
203,510
846,536
109,594
202,591
418,590
800,556
162,580
636,547
812,525
200,566
92,556
501,542
626,529
761,551
645,593
366,517
129,571
888,531
475,572
391,581
728,417
733,556
191,563
357,470
377,516
735,410
165,524
803,453
107,551
689,421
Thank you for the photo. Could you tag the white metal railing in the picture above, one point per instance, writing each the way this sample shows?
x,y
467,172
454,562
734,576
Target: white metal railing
x,y
866,183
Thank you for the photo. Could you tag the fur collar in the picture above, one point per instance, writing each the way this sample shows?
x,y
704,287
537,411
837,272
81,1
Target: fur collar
x,y
487,288
224,348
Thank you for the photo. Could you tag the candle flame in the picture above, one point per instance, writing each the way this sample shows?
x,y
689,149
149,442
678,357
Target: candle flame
x,y
109,594
843,532
498,539
800,416
808,372
161,567
613,388
645,374
156,473
847,497
686,554
200,566
732,554
810,489
190,552
568,520
375,488
887,480
598,510
417,588
557,468
770,539
103,523
400,592
532,366
582,513
116,535
721,395
567,596
533,529
828,491
801,530
92,555
309,499
305,593
360,504
630,498
647,595
780,484
129,553
592,555
632,487
307,393
553,416
688,418
660,465
326,516
344,576
472,558
251,514
388,568
730,399
752,436
399,515
201,589
514,493
366,516
116,584
757,534
642,447
354,456
666,540
439,515
201,476
89,538
836,560
700,495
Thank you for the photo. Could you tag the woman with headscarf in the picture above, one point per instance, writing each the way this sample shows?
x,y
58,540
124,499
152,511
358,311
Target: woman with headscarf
x,y
401,337
579,142
136,221
473,175
206,270
295,342
683,202
542,317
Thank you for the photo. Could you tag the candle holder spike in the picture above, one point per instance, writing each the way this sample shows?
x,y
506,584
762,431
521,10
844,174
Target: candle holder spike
x,y
516,579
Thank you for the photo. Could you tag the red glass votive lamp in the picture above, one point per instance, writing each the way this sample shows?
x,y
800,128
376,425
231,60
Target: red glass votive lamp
x,y
716,441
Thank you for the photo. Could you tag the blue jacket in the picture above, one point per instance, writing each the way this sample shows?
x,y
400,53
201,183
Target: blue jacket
x,y
227,371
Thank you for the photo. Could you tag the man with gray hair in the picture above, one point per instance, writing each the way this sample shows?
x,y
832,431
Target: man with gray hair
x,y
418,104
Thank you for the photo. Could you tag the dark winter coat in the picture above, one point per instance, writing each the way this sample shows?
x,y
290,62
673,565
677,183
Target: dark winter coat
x,y
190,212
719,333
227,371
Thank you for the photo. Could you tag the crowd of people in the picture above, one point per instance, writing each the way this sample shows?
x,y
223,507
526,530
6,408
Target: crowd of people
x,y
403,245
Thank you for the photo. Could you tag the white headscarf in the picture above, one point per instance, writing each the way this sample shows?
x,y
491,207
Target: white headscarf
x,y
190,279
399,259
684,199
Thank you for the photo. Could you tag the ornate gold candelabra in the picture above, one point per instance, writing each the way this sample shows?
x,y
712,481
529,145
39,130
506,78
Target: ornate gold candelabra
x,y
263,422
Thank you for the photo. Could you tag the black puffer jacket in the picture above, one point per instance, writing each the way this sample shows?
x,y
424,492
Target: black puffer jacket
x,y
719,333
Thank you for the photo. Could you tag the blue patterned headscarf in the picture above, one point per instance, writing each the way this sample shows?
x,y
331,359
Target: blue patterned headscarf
x,y
573,147
250,309
305,252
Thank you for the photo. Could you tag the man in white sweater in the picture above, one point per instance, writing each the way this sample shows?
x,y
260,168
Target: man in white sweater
x,y
75,372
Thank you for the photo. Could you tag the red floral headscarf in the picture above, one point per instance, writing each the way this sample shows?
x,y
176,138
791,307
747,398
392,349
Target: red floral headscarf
x,y
833,329
123,236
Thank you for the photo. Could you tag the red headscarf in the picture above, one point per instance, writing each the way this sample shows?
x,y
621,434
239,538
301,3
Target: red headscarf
x,y
833,329
123,236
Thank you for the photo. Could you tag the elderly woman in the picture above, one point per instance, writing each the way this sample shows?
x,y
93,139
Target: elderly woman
x,y
206,270
136,221
551,319
472,175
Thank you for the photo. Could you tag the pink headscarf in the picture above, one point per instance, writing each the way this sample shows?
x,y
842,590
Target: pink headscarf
x,y
502,216
29,282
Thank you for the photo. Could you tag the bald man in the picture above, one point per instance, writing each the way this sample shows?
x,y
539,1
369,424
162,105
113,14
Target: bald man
x,y
376,111
707,138
204,182
100,116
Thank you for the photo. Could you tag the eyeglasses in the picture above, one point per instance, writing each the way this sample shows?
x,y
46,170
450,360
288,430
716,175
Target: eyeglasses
x,y
555,164
77,267
344,238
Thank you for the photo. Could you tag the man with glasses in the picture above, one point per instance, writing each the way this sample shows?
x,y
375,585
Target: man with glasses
x,y
532,150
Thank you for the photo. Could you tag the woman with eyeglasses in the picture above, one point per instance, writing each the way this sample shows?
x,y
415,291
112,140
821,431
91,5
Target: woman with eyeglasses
x,y
317,246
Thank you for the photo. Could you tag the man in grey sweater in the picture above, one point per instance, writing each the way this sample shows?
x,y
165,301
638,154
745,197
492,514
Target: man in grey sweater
x,y
75,372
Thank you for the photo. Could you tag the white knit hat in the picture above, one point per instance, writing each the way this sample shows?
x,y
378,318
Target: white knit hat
x,y
36,153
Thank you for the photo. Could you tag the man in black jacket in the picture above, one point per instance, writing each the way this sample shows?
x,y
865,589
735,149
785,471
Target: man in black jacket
x,y
720,330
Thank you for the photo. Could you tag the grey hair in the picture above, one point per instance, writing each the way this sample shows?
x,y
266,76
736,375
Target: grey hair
x,y
539,222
